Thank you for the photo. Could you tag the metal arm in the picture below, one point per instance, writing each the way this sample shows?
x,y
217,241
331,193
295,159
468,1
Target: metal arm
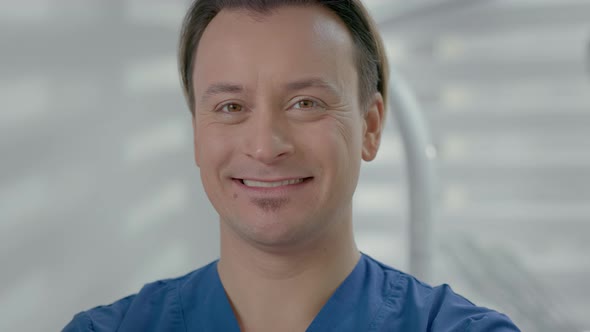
x,y
420,157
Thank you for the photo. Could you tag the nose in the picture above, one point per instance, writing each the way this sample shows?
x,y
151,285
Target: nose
x,y
269,139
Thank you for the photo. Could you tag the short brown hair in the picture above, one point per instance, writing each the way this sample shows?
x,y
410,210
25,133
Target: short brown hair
x,y
370,57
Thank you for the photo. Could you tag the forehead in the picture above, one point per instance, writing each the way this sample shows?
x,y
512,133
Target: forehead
x,y
288,43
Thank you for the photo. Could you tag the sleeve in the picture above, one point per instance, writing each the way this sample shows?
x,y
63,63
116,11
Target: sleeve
x,y
452,312
100,319
491,322
80,323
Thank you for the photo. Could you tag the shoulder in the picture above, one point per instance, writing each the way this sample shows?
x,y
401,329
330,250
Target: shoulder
x,y
101,318
412,305
158,300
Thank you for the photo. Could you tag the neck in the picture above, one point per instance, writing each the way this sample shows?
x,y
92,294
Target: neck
x,y
272,290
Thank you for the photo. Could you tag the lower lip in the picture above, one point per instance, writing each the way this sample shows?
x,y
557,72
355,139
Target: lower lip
x,y
273,190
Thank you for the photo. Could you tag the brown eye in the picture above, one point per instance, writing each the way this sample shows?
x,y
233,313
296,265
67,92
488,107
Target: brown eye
x,y
305,103
232,108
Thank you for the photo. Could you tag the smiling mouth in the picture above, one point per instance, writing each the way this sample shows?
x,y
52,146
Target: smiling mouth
x,y
271,184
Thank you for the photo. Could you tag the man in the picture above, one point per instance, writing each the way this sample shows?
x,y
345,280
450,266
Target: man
x,y
287,97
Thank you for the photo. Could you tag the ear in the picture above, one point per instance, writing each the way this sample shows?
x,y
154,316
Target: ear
x,y
373,126
195,145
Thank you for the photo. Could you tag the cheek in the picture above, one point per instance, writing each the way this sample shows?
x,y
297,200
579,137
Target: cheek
x,y
348,134
212,152
210,148
337,142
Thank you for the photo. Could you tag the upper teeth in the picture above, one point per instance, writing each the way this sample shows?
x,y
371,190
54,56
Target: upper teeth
x,y
251,183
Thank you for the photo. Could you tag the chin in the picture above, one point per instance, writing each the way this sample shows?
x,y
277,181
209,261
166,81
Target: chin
x,y
271,233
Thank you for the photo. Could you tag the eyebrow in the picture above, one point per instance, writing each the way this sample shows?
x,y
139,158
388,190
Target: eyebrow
x,y
219,88
314,82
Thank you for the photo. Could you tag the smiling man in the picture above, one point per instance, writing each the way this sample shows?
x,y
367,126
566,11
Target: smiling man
x,y
287,98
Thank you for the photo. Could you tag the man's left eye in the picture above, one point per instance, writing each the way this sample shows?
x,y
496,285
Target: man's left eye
x,y
305,104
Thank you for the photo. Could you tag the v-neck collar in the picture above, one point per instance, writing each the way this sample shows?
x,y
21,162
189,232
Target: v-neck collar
x,y
342,303
208,307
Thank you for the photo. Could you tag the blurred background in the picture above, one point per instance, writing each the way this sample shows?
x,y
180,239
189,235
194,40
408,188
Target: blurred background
x,y
99,193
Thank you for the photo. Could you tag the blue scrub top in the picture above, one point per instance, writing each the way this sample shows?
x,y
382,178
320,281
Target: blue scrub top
x,y
374,297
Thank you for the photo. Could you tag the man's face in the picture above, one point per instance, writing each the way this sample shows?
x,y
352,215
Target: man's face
x,y
279,132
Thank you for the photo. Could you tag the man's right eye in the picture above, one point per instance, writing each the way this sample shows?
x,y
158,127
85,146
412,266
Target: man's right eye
x,y
231,108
